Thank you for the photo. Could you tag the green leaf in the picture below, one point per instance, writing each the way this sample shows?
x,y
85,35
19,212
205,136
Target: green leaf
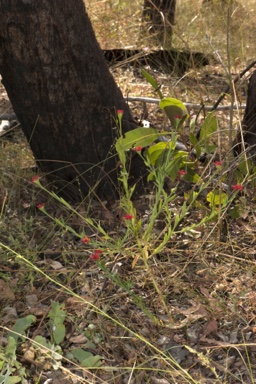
x,y
58,333
245,165
192,124
140,137
174,109
216,198
137,137
155,151
10,351
209,148
151,176
184,209
191,196
193,140
210,125
21,326
92,361
56,313
151,80
80,354
235,212
175,164
10,379
176,220
173,168
57,317
42,341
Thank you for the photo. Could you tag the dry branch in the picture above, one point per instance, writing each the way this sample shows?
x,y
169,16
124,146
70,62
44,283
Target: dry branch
x,y
188,105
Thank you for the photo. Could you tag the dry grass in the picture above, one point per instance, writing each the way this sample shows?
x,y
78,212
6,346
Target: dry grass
x,y
117,25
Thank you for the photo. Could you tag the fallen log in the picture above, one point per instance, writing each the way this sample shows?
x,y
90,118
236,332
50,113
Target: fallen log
x,y
167,60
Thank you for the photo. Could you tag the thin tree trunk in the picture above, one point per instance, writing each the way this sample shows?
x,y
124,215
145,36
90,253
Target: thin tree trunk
x,y
61,90
249,122
160,15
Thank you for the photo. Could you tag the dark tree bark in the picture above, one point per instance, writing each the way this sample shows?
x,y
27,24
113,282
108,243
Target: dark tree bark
x,y
61,90
249,122
160,15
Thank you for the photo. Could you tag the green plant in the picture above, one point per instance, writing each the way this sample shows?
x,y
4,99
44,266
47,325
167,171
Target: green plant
x,y
163,160
12,371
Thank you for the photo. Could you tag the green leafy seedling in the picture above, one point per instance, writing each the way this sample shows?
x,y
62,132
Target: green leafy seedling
x,y
21,326
57,317
9,364
85,358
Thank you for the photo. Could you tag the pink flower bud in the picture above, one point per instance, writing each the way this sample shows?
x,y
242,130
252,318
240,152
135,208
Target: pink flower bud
x,y
96,255
128,217
36,180
137,149
40,206
85,240
237,187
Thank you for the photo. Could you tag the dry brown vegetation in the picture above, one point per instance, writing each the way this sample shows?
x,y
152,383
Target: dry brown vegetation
x,y
183,315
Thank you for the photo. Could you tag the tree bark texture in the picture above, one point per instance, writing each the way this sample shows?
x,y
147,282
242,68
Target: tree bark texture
x,y
61,90
160,15
249,122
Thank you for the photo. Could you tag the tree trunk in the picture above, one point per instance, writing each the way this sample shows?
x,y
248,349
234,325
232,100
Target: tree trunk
x,y
249,122
160,15
61,91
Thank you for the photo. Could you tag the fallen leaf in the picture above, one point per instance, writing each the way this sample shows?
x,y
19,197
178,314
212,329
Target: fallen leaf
x,y
56,265
31,300
6,293
211,326
79,339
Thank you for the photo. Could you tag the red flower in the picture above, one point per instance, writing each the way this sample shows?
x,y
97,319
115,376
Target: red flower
x,y
40,206
137,149
218,163
85,240
120,112
237,187
181,172
96,254
128,217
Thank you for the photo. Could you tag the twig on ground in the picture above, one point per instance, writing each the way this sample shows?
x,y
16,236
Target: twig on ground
x,y
188,105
